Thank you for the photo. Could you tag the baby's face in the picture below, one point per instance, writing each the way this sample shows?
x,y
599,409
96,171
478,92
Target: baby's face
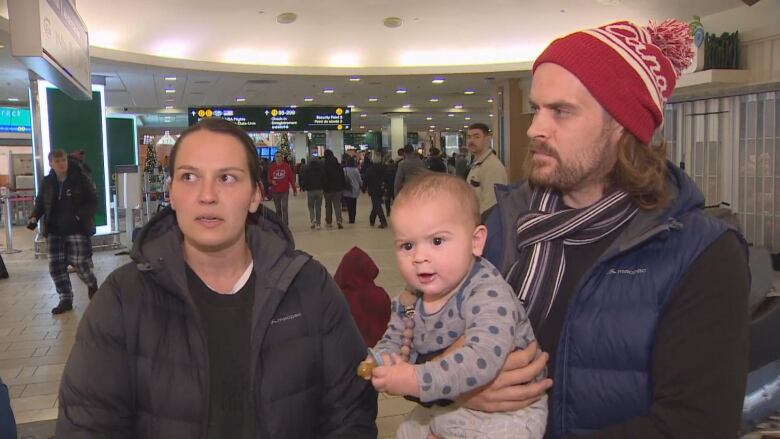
x,y
435,243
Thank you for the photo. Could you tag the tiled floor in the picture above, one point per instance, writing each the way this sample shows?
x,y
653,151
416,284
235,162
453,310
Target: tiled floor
x,y
34,345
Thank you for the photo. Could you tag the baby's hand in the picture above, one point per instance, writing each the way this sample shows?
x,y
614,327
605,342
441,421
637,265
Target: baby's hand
x,y
397,377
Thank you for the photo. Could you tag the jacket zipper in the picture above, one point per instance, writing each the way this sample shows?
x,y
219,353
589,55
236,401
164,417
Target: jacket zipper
x,y
671,224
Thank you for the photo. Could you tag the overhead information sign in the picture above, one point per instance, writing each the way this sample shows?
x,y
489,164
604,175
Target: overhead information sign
x,y
51,39
278,118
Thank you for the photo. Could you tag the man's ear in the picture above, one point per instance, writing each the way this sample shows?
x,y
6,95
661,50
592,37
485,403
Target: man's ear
x,y
478,239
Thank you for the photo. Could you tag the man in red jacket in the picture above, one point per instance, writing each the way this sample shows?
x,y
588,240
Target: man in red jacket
x,y
281,179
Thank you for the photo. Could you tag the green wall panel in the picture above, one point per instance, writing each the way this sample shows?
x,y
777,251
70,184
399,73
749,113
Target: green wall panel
x,y
121,142
75,125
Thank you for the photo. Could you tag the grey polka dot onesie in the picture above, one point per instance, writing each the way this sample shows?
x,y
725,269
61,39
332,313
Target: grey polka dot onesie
x,y
486,312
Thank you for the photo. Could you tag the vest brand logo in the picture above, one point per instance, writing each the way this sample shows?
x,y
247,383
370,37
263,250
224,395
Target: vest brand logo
x,y
629,272
286,318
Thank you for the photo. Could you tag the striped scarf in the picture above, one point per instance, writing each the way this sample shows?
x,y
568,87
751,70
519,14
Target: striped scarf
x,y
542,237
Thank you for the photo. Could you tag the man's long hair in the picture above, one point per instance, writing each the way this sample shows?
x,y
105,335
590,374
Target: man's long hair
x,y
640,170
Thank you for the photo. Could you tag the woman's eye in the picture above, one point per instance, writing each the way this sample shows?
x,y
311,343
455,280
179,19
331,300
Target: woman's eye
x,y
406,246
437,241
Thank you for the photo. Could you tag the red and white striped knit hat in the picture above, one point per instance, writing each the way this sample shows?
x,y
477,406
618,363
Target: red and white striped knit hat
x,y
630,70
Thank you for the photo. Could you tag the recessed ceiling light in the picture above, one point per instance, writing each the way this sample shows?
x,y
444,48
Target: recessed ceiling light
x,y
400,91
608,2
465,126
429,118
286,17
373,99
308,99
469,92
293,106
490,100
466,118
170,78
450,115
13,99
434,99
458,107
407,106
328,91
370,131
170,90
438,81
362,127
433,126
169,107
448,128
392,22
354,79
490,115
240,99
363,115
350,105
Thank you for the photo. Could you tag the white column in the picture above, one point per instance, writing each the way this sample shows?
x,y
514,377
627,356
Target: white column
x,y
334,141
299,148
397,131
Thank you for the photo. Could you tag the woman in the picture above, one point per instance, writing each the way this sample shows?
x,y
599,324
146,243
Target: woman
x,y
219,327
313,181
352,191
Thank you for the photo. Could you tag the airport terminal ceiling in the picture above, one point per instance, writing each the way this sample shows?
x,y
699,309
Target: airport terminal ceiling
x,y
240,53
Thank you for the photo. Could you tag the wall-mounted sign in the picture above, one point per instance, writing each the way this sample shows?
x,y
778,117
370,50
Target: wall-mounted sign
x,y
15,120
278,118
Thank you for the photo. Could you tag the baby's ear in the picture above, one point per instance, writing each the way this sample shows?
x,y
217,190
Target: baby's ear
x,y
478,240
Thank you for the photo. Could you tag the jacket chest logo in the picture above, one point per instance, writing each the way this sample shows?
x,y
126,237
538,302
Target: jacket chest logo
x,y
286,318
627,271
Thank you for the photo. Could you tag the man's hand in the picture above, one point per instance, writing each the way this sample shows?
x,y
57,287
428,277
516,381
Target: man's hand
x,y
32,223
512,389
397,377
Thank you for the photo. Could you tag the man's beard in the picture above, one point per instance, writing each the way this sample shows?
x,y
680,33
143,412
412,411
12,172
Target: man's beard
x,y
589,165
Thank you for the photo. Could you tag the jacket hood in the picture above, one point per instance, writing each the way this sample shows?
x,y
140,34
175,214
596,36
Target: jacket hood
x,y
158,248
356,269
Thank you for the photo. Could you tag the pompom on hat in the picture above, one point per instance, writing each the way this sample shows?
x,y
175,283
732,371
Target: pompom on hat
x,y
630,70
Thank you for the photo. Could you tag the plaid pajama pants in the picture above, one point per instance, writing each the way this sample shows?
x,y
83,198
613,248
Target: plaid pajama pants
x,y
67,250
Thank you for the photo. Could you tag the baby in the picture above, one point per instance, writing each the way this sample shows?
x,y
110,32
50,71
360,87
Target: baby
x,y
460,298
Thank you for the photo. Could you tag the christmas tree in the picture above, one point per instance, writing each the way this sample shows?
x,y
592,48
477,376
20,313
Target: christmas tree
x,y
151,159
284,146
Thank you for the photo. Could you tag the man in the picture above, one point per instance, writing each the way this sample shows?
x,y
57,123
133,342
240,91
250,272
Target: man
x,y
66,204
332,186
300,168
410,165
218,327
487,170
461,164
281,179
639,298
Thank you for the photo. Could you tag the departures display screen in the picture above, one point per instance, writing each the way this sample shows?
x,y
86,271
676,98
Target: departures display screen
x,y
278,118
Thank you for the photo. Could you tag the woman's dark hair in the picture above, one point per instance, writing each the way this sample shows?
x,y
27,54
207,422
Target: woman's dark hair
x,y
350,161
221,126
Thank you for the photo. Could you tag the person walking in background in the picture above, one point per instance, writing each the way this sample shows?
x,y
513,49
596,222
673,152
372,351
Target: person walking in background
x,y
351,193
264,179
299,169
65,205
435,161
461,164
374,184
408,167
8,423
391,167
332,188
487,170
312,182
282,181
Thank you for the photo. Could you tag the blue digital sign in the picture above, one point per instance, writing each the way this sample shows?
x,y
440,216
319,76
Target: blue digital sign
x,y
15,120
